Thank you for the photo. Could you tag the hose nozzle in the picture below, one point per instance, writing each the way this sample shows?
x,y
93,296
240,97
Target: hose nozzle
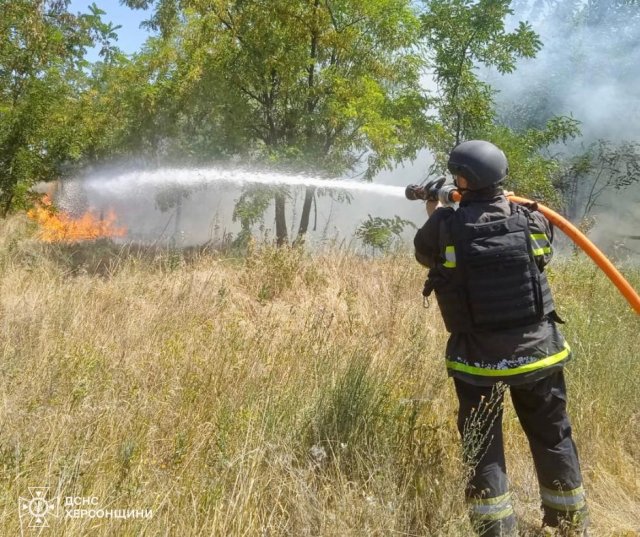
x,y
434,190
415,192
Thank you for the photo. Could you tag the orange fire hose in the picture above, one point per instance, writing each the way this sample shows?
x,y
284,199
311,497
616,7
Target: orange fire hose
x,y
583,242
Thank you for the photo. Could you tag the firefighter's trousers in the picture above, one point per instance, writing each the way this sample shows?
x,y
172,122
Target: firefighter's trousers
x,y
541,409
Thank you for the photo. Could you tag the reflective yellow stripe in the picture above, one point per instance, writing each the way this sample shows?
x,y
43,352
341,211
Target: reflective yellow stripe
x,y
490,501
540,236
491,508
540,244
527,368
495,516
576,506
563,500
450,257
575,492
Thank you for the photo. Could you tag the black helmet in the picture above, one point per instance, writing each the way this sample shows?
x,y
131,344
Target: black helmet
x,y
481,163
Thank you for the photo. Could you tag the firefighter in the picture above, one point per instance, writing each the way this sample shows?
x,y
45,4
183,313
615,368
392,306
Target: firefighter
x,y
486,267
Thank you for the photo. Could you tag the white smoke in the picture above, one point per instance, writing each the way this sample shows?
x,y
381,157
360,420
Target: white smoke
x,y
588,68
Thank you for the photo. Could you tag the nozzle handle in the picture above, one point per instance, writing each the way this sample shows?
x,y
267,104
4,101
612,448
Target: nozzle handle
x,y
433,187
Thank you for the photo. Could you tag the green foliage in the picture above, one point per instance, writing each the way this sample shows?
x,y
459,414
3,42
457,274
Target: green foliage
x,y
347,415
602,168
327,87
460,35
164,18
323,81
379,233
318,86
249,209
42,78
323,87
134,106
531,171
591,56
272,271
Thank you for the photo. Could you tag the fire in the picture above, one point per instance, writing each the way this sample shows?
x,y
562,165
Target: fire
x,y
59,226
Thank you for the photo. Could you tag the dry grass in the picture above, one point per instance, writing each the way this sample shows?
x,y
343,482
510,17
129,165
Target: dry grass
x,y
272,394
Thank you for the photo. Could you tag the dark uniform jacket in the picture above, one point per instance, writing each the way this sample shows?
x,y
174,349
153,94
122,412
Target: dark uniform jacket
x,y
514,355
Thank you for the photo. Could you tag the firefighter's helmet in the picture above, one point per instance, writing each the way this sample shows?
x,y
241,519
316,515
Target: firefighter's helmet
x,y
481,163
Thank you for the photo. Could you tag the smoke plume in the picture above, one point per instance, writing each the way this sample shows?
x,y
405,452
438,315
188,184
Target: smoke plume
x,y
588,68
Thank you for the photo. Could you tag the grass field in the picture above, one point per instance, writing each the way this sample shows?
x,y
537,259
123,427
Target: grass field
x,y
273,394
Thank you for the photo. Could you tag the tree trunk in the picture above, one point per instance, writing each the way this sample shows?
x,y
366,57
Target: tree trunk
x,y
178,223
310,191
282,237
306,212
6,206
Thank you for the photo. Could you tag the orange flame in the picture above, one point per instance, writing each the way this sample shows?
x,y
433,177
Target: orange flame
x,y
59,226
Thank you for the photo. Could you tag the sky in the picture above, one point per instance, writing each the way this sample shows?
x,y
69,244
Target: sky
x,y
130,36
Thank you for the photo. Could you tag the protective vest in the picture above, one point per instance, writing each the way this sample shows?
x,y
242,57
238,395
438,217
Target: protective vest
x,y
489,279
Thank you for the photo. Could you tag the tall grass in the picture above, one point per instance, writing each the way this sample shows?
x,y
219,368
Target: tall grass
x,y
276,393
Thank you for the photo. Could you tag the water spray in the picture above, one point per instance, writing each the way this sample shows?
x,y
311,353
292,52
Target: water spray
x,y
436,190
167,188
123,184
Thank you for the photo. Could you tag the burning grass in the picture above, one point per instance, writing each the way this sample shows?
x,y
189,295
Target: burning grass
x,y
58,226
275,394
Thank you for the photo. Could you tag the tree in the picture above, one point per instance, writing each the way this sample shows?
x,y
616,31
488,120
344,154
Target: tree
x,y
588,69
534,173
460,35
323,86
42,75
133,106
248,210
604,167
